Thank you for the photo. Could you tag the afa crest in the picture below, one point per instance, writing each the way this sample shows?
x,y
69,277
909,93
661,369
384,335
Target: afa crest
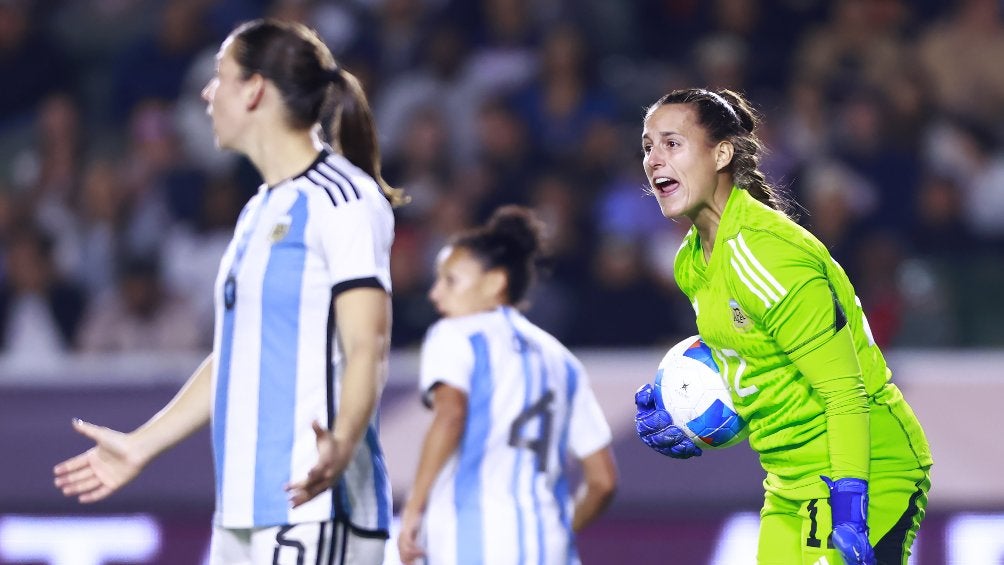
x,y
280,229
740,321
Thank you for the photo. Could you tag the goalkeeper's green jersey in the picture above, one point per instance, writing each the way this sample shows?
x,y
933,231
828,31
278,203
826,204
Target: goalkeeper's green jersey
x,y
793,344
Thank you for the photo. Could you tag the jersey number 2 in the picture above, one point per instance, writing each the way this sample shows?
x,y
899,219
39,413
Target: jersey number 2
x,y
740,369
541,444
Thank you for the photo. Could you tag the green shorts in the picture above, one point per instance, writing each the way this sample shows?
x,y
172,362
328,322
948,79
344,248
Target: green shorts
x,y
796,529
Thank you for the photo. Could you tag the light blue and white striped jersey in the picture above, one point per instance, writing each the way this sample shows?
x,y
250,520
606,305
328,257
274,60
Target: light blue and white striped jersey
x,y
504,496
296,246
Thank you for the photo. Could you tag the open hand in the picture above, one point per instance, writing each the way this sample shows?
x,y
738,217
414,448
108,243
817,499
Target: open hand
x,y
332,458
102,469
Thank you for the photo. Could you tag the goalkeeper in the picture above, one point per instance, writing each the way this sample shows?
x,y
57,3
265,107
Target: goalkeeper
x,y
847,464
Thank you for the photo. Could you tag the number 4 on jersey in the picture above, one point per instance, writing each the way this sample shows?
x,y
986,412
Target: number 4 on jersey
x,y
541,444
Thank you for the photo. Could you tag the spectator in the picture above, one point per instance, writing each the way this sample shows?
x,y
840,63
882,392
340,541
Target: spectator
x,y
961,57
40,311
38,64
140,315
485,103
154,67
565,100
970,151
625,307
96,235
429,88
860,44
940,228
505,161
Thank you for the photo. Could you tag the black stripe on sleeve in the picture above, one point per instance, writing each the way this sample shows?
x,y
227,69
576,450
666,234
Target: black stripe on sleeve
x,y
344,177
367,282
322,182
322,172
839,317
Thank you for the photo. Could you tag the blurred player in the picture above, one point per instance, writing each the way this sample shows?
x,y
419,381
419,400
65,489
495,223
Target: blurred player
x,y
290,392
510,405
848,465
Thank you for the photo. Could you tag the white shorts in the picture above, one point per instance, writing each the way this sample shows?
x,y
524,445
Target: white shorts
x,y
311,543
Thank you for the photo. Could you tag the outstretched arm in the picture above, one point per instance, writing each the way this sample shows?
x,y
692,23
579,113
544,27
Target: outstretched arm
x,y
364,317
117,457
598,486
441,441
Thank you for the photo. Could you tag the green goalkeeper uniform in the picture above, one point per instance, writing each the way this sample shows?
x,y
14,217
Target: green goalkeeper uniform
x,y
793,344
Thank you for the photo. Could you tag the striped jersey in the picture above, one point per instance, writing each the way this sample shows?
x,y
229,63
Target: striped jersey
x,y
770,295
296,246
503,496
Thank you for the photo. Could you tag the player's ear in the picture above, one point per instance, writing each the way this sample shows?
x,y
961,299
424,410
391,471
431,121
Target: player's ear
x,y
495,283
723,154
254,91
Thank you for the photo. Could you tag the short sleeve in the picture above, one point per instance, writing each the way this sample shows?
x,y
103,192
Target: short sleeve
x,y
783,286
353,248
447,357
588,428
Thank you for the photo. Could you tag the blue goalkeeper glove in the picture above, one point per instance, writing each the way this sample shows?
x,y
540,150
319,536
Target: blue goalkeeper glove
x,y
655,428
849,508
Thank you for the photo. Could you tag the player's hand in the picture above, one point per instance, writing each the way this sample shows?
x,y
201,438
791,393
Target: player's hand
x,y
332,458
655,428
408,548
102,469
849,507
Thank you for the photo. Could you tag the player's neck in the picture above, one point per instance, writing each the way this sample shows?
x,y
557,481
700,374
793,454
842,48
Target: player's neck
x,y
708,234
283,154
708,218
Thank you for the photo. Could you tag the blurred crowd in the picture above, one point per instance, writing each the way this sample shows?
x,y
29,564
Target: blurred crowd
x,y
883,118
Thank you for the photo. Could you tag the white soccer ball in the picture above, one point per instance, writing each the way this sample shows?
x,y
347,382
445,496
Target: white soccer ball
x,y
690,387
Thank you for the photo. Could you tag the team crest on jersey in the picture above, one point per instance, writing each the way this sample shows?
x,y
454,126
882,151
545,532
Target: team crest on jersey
x,y
740,321
280,229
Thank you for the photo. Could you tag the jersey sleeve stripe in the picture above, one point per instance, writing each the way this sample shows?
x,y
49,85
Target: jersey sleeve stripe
x,y
328,185
759,267
744,265
331,171
367,282
748,284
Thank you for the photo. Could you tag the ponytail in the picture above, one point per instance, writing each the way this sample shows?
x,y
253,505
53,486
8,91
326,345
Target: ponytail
x,y
353,133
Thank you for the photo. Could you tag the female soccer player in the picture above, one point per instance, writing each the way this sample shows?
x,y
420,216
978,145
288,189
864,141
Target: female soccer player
x,y
302,321
848,466
510,403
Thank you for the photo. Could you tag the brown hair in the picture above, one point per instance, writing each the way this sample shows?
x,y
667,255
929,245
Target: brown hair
x,y
728,116
313,85
511,241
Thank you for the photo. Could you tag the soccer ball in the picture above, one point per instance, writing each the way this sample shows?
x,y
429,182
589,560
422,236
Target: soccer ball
x,y
689,386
